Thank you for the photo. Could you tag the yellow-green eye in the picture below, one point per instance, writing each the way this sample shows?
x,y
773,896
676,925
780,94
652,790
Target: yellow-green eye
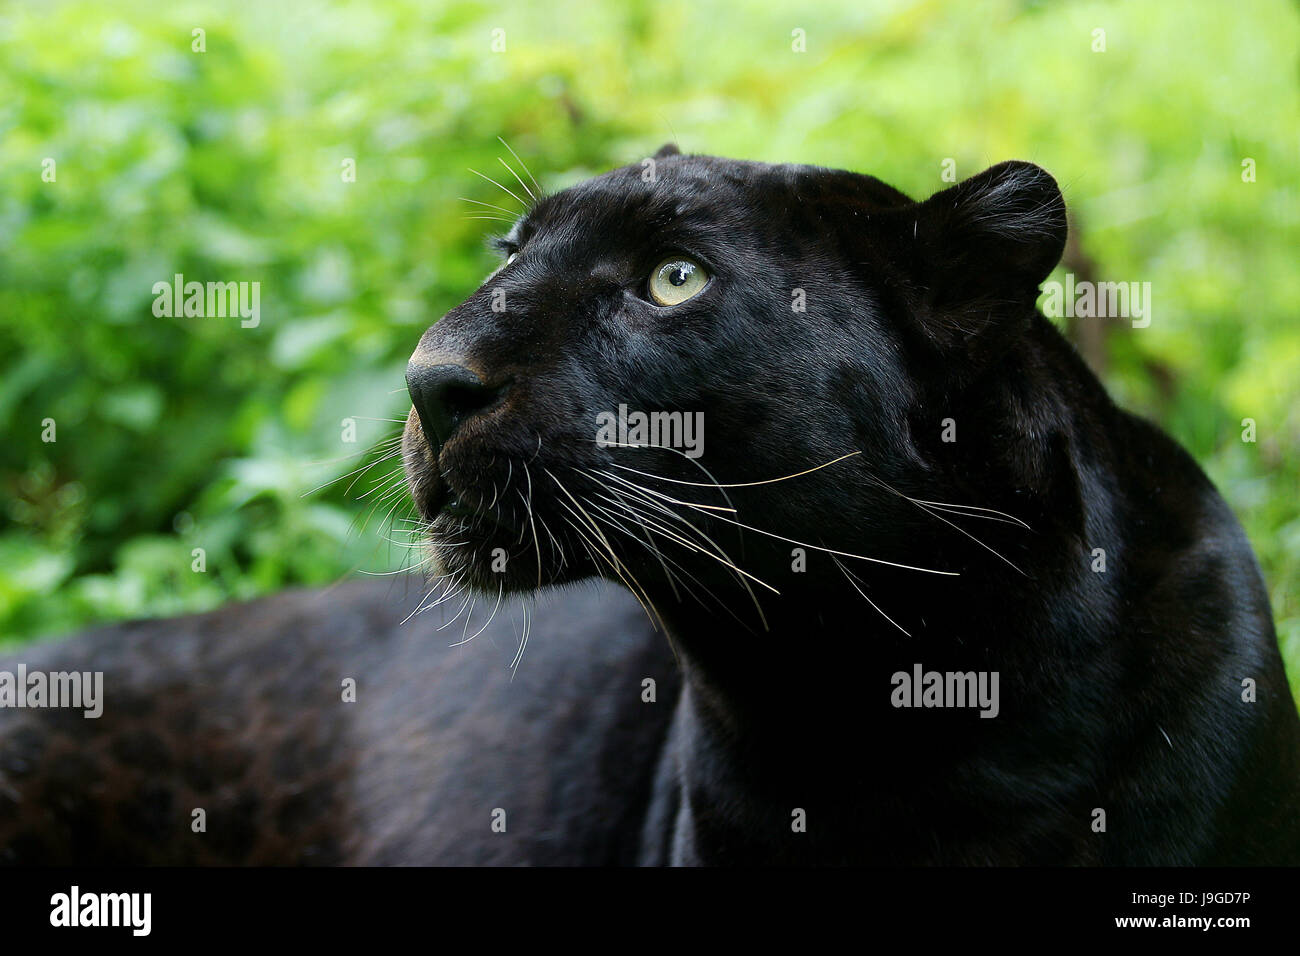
x,y
676,280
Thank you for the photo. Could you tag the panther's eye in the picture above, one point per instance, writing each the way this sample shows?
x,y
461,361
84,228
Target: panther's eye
x,y
677,279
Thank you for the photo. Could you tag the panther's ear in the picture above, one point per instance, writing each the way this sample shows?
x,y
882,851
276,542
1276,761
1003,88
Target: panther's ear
x,y
667,149
991,239
972,258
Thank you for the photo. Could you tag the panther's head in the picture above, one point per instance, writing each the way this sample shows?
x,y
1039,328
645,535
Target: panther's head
x,y
798,335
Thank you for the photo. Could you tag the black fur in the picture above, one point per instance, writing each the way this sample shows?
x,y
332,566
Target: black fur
x,y
1121,691
240,713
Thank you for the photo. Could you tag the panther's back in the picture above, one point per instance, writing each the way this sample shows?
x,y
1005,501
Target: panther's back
x,y
241,713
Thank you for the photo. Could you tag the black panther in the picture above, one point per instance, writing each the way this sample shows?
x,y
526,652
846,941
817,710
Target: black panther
x,y
715,654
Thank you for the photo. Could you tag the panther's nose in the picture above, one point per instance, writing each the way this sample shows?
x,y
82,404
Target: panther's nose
x,y
444,396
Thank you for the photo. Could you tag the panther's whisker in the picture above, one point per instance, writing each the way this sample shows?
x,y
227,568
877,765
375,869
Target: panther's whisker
x,y
673,579
393,453
516,175
384,574
420,607
962,530
677,451
390,451
396,489
689,504
731,565
610,520
408,545
501,187
992,514
369,513
524,165
398,498
951,506
721,555
803,544
950,524
500,592
741,484
469,598
489,205
528,505
662,558
850,578
596,558
559,551
611,559
396,468
523,642
385,485
468,619
616,564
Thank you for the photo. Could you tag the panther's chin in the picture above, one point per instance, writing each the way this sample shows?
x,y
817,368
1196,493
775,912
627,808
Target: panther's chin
x,y
484,554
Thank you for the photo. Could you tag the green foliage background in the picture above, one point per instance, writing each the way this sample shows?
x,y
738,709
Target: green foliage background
x,y
225,165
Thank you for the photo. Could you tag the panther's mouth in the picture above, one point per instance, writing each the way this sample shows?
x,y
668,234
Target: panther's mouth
x,y
463,514
455,508
489,536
